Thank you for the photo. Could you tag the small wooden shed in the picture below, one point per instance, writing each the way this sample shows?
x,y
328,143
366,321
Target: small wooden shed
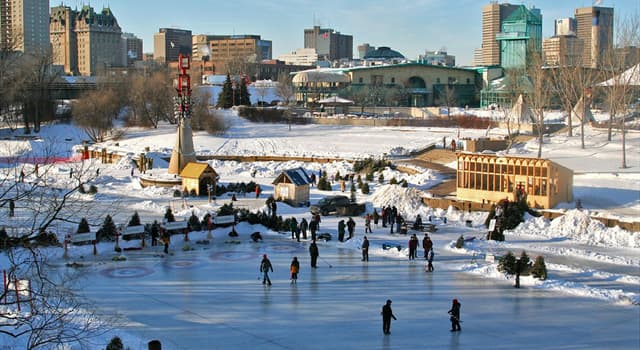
x,y
196,177
292,186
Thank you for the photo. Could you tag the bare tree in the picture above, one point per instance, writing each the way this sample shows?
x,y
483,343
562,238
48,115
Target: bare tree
x,y
618,87
152,99
95,111
284,89
540,94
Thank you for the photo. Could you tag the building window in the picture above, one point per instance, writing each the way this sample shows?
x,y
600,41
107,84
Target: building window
x,y
437,80
360,80
393,80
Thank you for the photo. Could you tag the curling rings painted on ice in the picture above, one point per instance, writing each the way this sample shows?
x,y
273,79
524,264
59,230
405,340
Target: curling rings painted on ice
x,y
183,263
230,255
127,272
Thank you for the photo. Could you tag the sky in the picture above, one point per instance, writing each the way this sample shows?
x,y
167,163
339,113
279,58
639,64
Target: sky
x,y
409,26
211,293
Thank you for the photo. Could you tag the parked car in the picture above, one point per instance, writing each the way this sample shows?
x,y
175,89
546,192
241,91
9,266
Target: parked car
x,y
329,204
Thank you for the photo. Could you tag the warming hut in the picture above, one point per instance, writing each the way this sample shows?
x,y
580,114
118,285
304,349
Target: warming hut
x,y
196,177
292,186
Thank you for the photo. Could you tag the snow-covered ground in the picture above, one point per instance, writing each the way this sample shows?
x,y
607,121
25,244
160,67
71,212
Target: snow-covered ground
x,y
211,295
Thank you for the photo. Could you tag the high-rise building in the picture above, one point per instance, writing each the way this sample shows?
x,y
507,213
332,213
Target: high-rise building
x,y
169,43
520,37
133,48
493,15
565,26
85,42
437,58
562,50
300,57
249,48
24,25
364,49
329,44
595,28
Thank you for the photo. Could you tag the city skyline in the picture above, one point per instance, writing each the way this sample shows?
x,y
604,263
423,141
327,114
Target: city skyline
x,y
410,27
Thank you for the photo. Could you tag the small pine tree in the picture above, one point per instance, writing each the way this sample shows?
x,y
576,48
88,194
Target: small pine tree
x,y
194,222
323,184
107,231
524,259
169,215
359,180
369,177
353,193
135,219
539,268
393,181
245,96
338,176
225,97
404,183
507,263
381,178
115,344
83,226
365,188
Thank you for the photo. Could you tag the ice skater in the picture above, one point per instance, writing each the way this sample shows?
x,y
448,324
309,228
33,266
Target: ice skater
x,y
387,315
295,268
430,261
365,249
455,316
265,266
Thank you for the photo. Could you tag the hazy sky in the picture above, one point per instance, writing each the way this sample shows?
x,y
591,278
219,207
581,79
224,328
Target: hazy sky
x,y
408,26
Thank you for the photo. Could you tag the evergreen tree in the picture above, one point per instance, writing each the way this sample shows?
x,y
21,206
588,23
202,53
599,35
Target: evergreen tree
x,y
338,176
245,96
83,226
369,177
404,183
381,179
323,184
115,344
353,192
460,242
194,223
169,215
393,181
524,260
225,97
108,230
365,188
539,268
507,264
135,219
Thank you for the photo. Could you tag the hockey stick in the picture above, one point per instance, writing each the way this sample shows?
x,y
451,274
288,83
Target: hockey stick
x,y
326,262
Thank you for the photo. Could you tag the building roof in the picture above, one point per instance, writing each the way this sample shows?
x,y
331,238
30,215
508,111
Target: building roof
x,y
383,52
195,170
321,75
297,176
409,64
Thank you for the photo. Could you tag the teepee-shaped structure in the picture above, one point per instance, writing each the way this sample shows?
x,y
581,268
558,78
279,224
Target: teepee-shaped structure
x,y
580,114
521,113
183,151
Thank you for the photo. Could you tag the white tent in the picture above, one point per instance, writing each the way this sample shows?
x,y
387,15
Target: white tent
x,y
521,113
629,77
335,100
578,111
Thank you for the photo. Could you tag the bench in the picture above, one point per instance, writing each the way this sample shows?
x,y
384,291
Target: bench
x,y
82,238
131,232
175,225
224,219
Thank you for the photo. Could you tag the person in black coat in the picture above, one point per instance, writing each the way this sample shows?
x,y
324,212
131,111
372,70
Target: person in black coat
x,y
313,251
387,314
455,316
265,266
365,249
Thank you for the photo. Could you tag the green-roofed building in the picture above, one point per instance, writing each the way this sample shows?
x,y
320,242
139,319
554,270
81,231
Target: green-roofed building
x,y
521,35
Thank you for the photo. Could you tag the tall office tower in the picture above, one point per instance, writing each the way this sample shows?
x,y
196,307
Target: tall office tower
x,y
520,37
85,42
24,25
132,48
562,50
249,48
329,44
169,43
595,28
565,26
364,49
493,15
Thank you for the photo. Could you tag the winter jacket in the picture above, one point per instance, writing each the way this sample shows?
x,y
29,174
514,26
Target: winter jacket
x,y
341,226
265,265
295,266
427,244
387,312
313,249
365,244
455,310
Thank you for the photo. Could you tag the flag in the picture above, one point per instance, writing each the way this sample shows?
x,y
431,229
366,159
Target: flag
x,y
597,2
325,35
172,44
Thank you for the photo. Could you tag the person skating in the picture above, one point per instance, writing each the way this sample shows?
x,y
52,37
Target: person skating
x,y
427,244
304,225
367,224
387,315
313,227
351,227
430,260
413,247
455,316
313,251
265,266
295,267
376,218
365,249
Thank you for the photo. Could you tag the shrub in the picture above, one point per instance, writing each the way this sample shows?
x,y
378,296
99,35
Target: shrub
x,y
507,263
404,183
369,176
108,230
194,222
168,215
115,344
81,189
381,178
365,188
177,193
93,189
393,181
539,268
